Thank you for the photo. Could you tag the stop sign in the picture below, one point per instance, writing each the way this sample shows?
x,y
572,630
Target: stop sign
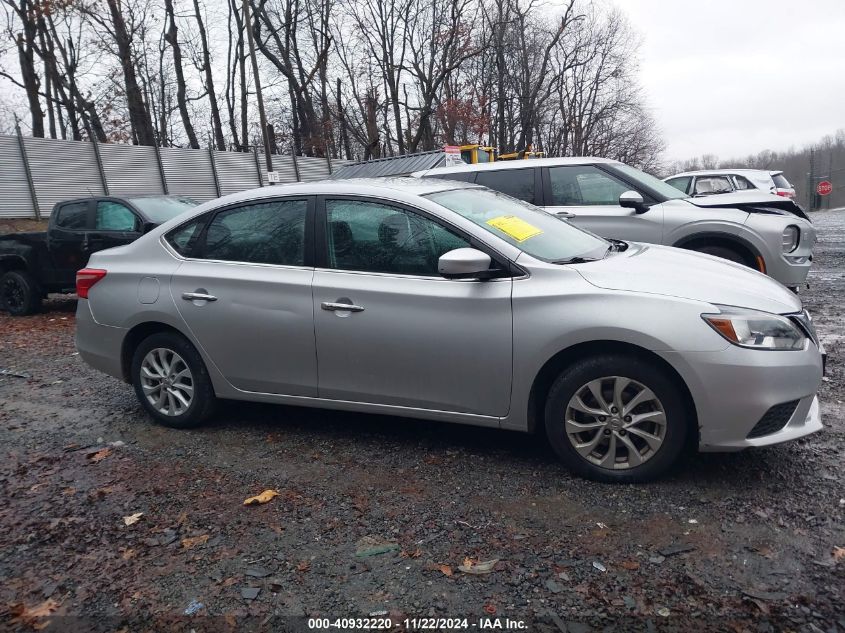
x,y
824,188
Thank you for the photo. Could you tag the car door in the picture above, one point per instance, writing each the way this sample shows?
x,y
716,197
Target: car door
x,y
68,238
592,196
389,329
243,290
115,224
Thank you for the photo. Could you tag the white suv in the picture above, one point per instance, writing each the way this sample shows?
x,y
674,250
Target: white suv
x,y
707,182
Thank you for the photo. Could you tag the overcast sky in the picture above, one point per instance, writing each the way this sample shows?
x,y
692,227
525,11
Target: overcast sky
x,y
734,77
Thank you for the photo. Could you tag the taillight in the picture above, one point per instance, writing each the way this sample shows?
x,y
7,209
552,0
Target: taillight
x,y
86,278
785,194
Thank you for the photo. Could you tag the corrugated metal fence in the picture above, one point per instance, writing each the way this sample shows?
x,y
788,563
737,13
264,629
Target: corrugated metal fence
x,y
40,171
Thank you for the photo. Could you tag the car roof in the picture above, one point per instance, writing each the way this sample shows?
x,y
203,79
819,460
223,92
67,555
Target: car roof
x,y
403,187
743,170
518,164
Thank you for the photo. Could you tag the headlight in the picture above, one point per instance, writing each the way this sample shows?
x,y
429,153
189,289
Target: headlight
x,y
791,235
755,330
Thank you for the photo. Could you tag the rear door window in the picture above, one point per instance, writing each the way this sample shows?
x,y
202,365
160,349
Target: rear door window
x,y
73,216
518,183
264,233
707,185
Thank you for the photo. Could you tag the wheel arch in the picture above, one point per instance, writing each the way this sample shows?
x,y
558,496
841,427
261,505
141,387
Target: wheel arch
x,y
751,253
564,358
133,339
13,262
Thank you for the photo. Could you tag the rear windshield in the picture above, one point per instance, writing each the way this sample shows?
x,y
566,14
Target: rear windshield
x,y
160,209
781,182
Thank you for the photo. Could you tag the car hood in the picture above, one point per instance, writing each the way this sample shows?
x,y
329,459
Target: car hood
x,y
750,202
675,272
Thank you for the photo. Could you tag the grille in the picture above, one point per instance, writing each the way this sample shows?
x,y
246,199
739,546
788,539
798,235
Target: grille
x,y
773,420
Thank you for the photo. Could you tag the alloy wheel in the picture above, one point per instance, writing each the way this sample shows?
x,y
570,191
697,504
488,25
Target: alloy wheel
x,y
615,422
167,381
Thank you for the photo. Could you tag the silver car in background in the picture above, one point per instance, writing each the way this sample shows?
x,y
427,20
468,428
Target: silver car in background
x,y
447,301
765,232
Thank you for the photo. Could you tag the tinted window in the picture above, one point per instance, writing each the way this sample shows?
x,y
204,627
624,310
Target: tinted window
x,y
113,216
574,185
73,216
373,237
518,183
184,239
681,183
265,233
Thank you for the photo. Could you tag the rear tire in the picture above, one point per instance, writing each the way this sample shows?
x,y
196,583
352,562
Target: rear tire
x,y
171,381
616,418
20,294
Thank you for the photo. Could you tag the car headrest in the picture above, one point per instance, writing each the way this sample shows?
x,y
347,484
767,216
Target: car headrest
x,y
394,230
341,236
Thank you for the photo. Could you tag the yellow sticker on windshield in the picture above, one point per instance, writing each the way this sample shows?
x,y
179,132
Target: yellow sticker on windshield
x,y
517,228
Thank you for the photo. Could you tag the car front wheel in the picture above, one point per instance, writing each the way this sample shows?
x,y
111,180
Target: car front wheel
x,y
616,419
171,381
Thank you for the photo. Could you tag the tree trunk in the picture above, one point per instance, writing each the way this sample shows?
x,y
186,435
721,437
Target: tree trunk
x,y
139,115
171,36
209,81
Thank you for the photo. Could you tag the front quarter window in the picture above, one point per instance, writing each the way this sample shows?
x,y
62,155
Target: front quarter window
x,y
521,224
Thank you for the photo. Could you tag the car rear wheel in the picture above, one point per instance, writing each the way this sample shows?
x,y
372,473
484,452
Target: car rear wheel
x,y
616,419
171,381
19,293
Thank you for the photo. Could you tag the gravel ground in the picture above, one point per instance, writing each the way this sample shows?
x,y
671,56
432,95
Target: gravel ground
x,y
736,542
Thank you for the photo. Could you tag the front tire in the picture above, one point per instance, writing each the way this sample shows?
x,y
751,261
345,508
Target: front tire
x,y
19,293
171,381
616,418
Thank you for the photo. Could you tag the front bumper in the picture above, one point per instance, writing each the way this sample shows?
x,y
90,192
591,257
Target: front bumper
x,y
735,388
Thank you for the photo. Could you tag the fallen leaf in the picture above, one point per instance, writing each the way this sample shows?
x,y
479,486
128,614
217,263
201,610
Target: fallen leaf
x,y
192,541
490,608
304,565
127,554
446,570
99,455
838,553
183,519
30,616
132,518
264,497
478,568
630,565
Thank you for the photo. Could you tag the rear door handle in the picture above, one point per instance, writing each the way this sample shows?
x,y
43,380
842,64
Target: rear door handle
x,y
347,307
198,296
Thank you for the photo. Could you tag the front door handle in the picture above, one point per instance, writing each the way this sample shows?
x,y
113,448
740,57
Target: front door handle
x,y
198,296
346,307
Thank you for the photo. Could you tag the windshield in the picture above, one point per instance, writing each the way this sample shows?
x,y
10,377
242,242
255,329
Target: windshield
x,y
160,209
523,225
647,180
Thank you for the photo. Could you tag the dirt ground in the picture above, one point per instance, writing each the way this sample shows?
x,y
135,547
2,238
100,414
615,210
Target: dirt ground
x,y
736,542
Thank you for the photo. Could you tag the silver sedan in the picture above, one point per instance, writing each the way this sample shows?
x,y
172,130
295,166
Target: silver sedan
x,y
447,301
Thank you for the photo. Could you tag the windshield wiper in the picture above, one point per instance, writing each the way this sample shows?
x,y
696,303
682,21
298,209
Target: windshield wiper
x,y
575,260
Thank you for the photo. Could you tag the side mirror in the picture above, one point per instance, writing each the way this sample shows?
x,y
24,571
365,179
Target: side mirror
x,y
464,263
632,200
